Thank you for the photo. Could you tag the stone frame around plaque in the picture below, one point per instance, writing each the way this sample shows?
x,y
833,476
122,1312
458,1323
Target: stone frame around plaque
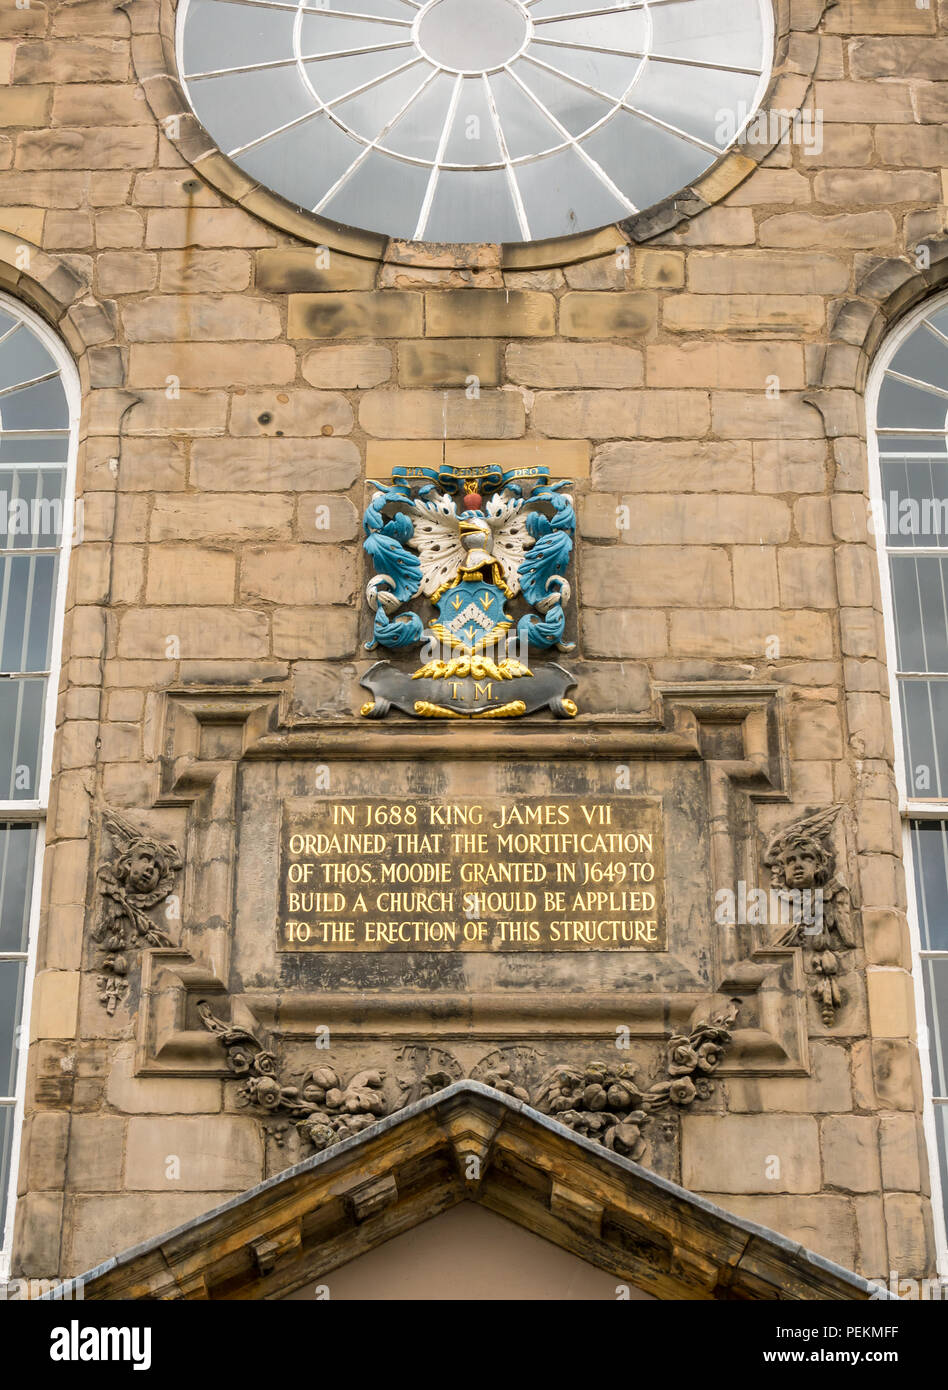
x,y
735,735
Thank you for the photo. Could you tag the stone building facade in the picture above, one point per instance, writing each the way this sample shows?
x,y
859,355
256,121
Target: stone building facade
x,y
699,373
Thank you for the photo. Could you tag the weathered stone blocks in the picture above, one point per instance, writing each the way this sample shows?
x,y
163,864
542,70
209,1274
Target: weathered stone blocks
x,y
750,1153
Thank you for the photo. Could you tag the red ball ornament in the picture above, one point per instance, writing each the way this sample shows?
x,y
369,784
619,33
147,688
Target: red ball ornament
x,y
472,501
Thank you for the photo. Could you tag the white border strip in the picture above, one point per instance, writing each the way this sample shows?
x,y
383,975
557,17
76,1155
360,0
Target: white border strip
x,y
883,357
35,811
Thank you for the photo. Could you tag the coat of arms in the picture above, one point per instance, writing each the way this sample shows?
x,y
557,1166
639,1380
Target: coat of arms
x,y
488,551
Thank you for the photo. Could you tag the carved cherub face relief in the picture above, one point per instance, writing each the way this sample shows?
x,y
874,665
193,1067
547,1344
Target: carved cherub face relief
x,y
145,868
804,864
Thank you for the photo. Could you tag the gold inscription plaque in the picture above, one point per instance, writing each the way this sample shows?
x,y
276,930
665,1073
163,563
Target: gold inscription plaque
x,y
534,874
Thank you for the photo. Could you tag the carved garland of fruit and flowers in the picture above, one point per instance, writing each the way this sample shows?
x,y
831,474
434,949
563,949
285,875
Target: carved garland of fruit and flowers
x,y
599,1100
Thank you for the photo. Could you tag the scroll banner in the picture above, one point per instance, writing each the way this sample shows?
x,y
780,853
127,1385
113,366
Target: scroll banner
x,y
453,479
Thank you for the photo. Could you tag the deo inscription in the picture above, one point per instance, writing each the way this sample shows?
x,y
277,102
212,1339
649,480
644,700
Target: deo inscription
x,y
534,873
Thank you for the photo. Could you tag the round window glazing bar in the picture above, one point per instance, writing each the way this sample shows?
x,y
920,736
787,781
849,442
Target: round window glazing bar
x,y
595,112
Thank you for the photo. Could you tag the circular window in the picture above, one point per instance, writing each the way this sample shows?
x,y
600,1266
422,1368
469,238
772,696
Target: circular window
x,y
475,120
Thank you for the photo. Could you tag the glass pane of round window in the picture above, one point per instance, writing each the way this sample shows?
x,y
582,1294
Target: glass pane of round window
x,y
475,120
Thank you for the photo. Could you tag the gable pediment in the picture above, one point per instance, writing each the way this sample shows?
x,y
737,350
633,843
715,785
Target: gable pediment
x,y
470,1143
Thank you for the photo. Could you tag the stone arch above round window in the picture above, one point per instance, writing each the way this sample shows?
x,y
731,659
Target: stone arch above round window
x,y
530,124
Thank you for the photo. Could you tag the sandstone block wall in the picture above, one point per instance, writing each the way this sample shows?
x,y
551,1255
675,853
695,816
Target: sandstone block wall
x,y
705,392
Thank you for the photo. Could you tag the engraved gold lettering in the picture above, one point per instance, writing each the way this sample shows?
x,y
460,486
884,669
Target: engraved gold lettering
x,y
517,874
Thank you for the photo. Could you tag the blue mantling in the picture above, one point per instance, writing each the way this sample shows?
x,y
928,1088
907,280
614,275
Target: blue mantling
x,y
405,631
386,543
545,562
545,631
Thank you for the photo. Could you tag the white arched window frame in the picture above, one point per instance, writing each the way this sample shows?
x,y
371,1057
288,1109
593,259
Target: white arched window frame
x,y
908,481
44,464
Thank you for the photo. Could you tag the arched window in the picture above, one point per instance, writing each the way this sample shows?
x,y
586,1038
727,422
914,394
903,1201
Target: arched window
x,y
908,402
475,120
39,410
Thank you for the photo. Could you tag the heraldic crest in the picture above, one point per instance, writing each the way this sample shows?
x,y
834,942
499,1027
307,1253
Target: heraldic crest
x,y
475,543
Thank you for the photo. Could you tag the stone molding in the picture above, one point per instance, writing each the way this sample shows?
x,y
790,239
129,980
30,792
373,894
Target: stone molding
x,y
60,295
886,289
736,730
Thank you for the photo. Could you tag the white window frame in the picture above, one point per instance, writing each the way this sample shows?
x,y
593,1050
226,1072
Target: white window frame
x,y
910,808
34,812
